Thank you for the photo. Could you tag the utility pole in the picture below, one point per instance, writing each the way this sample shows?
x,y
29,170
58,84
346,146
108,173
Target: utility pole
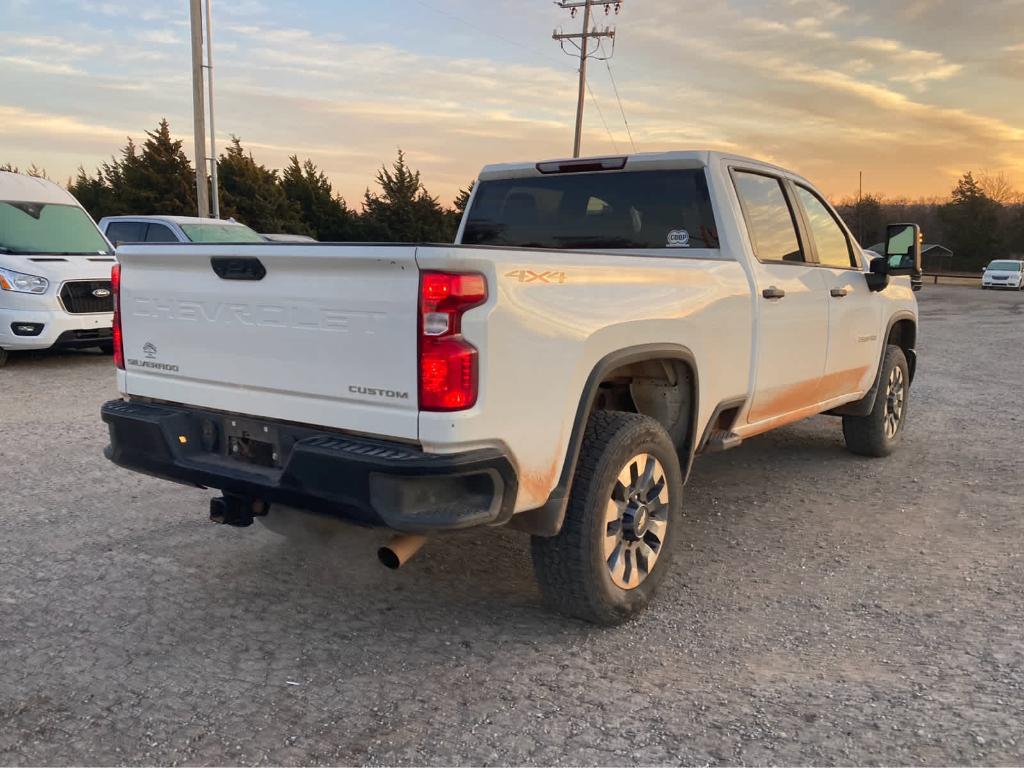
x,y
584,39
860,209
198,111
214,196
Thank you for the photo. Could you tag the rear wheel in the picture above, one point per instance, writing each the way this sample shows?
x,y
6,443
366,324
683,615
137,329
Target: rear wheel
x,y
3,357
621,524
878,433
107,347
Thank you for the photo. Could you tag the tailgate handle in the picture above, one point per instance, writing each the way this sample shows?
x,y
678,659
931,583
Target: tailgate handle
x,y
238,268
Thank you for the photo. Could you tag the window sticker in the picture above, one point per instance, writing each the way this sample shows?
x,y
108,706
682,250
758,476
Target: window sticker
x,y
678,238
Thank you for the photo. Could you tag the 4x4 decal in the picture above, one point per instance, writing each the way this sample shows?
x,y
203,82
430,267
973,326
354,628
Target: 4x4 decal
x,y
529,276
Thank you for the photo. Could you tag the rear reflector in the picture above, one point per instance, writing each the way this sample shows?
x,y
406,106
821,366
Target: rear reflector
x,y
583,166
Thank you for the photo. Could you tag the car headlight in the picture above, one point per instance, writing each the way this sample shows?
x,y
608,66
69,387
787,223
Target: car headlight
x,y
19,283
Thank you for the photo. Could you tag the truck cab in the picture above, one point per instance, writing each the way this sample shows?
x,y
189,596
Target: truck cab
x,y
55,288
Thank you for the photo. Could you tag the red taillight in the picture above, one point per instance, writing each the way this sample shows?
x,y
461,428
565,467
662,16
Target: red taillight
x,y
448,363
115,287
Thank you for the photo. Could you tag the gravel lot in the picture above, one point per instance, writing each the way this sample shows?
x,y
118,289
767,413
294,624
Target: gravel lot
x,y
827,609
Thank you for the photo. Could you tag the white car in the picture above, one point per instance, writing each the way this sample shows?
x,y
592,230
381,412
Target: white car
x,y
597,324
55,288
176,229
1004,273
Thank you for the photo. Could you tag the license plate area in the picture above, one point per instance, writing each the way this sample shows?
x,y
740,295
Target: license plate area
x,y
252,442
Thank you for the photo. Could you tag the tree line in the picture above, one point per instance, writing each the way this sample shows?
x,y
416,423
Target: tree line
x,y
981,220
158,178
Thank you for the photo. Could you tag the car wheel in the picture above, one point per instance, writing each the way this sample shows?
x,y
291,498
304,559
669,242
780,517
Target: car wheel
x,y
3,357
621,524
107,347
878,433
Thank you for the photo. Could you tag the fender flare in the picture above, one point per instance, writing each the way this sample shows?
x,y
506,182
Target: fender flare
x,y
547,519
863,406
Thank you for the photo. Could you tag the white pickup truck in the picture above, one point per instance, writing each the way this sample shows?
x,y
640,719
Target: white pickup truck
x,y
597,324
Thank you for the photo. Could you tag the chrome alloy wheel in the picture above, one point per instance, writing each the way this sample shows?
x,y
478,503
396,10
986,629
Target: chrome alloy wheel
x,y
895,401
636,520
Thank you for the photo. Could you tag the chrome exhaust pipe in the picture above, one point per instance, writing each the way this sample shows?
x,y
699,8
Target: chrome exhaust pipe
x,y
400,550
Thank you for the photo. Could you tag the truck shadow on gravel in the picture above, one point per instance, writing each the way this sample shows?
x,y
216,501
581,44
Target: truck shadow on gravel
x,y
484,577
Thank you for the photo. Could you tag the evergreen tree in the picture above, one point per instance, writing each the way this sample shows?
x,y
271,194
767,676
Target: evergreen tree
x,y
252,194
94,194
33,170
404,212
157,179
462,199
971,223
324,213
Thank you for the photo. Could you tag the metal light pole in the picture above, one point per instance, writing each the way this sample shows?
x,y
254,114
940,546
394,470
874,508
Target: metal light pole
x,y
214,195
198,113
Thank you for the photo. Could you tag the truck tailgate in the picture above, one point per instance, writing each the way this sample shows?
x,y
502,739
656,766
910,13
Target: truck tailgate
x,y
326,336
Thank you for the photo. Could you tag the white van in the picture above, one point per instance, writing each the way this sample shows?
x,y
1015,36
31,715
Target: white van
x,y
54,270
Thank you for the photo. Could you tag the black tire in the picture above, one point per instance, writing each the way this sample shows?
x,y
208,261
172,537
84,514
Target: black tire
x,y
3,357
873,435
107,347
572,568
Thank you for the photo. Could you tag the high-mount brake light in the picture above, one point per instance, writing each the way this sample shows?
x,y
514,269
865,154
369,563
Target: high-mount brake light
x,y
448,375
583,166
115,287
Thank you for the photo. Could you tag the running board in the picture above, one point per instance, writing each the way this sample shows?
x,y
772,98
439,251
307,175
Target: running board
x,y
721,440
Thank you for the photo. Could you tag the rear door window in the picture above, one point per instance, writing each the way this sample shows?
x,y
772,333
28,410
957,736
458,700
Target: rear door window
x,y
158,233
770,221
613,210
126,232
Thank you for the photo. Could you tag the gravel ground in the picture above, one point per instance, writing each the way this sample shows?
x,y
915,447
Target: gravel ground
x,y
826,609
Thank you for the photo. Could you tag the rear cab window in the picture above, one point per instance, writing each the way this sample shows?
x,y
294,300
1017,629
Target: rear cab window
x,y
634,210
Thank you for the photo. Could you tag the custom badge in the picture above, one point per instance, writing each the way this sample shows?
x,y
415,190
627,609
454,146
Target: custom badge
x,y
678,238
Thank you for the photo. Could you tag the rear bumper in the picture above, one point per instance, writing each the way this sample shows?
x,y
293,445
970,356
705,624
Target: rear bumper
x,y
370,482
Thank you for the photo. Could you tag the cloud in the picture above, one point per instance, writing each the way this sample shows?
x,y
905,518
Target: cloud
x,y
40,66
820,85
160,37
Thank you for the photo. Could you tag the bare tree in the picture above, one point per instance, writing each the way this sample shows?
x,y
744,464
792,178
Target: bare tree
x,y
998,187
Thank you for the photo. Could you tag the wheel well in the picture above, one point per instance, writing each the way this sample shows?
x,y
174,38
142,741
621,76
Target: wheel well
x,y
904,335
661,388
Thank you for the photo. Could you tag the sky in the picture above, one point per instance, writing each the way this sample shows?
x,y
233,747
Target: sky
x,y
911,92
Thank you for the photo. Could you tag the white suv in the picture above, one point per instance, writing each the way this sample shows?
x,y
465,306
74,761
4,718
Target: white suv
x,y
1004,273
55,267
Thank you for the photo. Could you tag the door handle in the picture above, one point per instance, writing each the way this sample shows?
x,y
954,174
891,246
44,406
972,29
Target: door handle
x,y
839,293
773,293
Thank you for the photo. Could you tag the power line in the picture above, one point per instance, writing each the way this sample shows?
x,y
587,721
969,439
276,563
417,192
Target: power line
x,y
605,122
608,64
585,52
593,34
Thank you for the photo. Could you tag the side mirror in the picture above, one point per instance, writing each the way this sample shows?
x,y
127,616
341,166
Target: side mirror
x,y
903,249
878,276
